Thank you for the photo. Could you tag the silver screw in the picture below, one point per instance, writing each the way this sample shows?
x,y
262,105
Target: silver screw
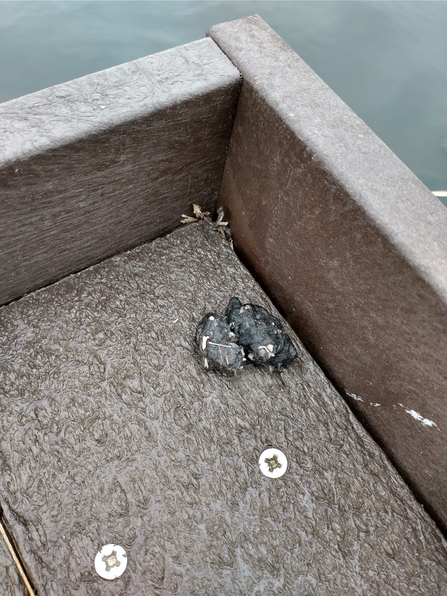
x,y
273,463
111,561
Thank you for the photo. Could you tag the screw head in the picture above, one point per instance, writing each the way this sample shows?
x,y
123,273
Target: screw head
x,y
111,561
273,463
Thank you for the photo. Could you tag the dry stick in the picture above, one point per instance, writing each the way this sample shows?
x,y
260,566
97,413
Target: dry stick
x,y
17,561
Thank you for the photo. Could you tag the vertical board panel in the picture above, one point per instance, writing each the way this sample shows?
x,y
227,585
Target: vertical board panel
x,y
351,246
100,164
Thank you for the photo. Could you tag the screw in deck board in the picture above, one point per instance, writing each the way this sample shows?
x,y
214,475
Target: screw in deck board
x,y
273,463
111,561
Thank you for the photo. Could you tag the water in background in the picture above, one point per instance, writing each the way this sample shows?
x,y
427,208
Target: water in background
x,y
387,60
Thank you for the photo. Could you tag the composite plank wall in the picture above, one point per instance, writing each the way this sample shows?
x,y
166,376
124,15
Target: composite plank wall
x,y
97,165
350,245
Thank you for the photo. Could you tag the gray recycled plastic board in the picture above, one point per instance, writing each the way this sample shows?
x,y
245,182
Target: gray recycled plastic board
x,y
100,164
349,243
10,582
111,432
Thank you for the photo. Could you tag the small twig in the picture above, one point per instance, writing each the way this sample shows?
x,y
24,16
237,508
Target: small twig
x,y
198,215
218,225
16,559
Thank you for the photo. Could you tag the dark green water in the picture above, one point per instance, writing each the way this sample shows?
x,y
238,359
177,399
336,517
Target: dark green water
x,y
387,60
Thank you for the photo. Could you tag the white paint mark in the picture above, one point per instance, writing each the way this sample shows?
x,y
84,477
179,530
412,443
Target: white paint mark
x,y
354,396
211,318
176,320
374,404
418,417
205,363
205,339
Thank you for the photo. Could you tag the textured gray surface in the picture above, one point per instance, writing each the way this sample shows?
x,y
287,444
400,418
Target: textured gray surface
x,y
112,432
10,582
103,163
348,243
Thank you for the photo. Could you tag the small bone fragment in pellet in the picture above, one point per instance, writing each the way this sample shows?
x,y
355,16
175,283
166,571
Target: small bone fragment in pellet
x,y
261,334
216,345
